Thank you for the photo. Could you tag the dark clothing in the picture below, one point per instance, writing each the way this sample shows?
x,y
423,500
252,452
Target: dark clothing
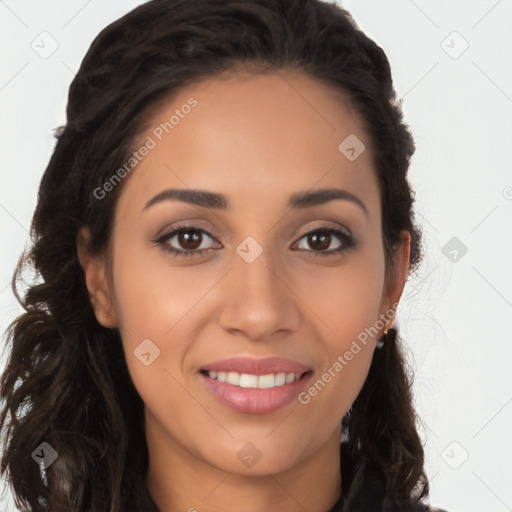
x,y
363,491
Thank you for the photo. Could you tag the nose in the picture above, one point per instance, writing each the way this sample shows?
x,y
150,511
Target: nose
x,y
258,299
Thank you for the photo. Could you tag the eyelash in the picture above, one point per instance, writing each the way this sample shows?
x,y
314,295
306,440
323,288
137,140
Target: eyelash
x,y
347,240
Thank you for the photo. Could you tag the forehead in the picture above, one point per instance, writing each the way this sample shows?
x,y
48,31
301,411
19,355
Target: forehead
x,y
273,134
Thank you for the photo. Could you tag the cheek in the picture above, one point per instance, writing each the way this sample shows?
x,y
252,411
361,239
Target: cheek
x,y
154,306
346,302
152,303
345,299
152,298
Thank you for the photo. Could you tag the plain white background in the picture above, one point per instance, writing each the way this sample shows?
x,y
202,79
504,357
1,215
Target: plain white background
x,y
451,62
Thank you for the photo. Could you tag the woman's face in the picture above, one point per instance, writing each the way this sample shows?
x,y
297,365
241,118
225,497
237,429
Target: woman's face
x,y
271,280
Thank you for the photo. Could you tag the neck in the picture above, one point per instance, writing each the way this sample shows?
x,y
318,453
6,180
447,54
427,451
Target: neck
x,y
312,482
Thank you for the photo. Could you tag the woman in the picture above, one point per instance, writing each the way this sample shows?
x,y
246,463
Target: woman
x,y
223,234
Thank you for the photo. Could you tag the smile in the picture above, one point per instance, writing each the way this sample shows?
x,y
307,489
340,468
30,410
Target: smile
x,y
245,380
254,394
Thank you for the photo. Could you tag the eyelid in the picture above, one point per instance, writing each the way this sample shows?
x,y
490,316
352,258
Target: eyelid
x,y
181,224
320,226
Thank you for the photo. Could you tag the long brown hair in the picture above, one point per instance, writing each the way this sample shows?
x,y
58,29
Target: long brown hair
x,y
66,382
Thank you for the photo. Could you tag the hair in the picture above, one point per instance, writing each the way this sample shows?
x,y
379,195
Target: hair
x,y
66,381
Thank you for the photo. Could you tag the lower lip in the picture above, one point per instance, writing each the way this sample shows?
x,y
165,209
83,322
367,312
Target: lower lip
x,y
255,400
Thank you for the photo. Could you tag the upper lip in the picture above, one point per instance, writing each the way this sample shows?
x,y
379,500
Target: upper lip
x,y
254,366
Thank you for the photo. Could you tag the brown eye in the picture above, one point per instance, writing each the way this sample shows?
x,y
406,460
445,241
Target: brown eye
x,y
187,241
190,239
320,242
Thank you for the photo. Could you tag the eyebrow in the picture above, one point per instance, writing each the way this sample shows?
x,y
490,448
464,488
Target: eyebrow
x,y
218,201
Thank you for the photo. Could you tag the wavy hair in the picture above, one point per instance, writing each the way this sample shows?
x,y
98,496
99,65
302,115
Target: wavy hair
x,y
66,381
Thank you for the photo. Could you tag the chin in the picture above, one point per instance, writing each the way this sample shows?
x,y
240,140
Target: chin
x,y
255,459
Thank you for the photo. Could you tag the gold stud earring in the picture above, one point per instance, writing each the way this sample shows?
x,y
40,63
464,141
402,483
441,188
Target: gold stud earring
x,y
380,343
389,337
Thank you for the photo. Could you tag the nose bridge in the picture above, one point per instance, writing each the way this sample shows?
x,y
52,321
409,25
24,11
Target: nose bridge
x,y
258,301
256,279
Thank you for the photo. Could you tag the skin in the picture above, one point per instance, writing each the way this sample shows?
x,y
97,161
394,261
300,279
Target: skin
x,y
258,140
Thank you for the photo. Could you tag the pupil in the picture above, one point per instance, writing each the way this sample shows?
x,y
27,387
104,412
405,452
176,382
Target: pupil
x,y
325,242
189,239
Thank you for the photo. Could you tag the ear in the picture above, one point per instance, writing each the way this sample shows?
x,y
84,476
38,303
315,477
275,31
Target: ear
x,y
395,282
95,270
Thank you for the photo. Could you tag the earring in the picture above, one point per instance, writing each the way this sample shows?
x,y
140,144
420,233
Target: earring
x,y
389,337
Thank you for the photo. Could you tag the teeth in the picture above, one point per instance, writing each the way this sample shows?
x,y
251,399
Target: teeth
x,y
245,380
233,378
279,379
266,381
290,377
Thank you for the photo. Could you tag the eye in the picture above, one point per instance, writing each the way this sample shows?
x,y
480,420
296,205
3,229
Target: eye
x,y
322,238
186,241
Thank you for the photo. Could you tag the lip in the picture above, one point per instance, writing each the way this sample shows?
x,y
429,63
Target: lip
x,y
255,366
255,400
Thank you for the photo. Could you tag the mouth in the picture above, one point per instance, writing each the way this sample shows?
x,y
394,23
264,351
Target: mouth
x,y
255,394
247,380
